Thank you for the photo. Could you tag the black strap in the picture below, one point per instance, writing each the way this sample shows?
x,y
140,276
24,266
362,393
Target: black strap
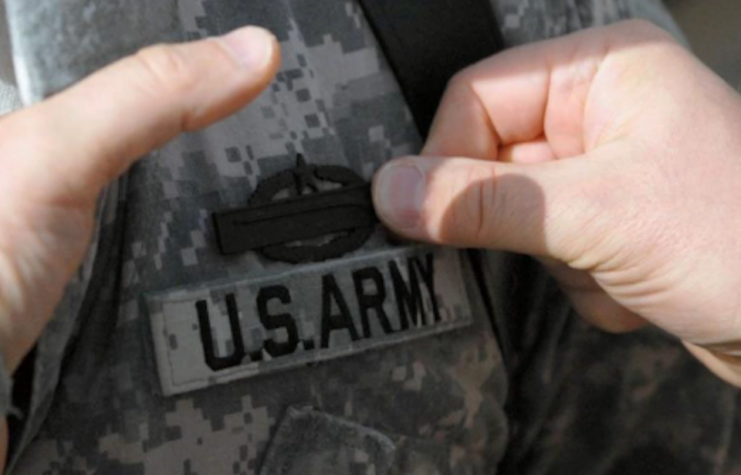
x,y
427,41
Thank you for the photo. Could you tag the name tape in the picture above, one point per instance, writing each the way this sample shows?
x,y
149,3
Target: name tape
x,y
219,332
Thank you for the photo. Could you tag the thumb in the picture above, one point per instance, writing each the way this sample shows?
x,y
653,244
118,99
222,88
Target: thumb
x,y
106,122
550,209
57,155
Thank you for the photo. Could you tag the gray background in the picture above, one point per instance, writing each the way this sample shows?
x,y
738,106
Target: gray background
x,y
714,30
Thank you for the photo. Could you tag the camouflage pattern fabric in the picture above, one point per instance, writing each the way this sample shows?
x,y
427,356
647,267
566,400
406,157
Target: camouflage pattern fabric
x,y
577,401
336,102
9,99
57,43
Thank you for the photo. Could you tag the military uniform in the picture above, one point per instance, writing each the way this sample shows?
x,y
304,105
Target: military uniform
x,y
353,353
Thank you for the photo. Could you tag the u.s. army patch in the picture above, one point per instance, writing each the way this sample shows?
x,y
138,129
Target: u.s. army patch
x,y
224,331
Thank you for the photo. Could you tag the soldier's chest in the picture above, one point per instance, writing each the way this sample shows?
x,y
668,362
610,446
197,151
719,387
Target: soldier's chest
x,y
206,351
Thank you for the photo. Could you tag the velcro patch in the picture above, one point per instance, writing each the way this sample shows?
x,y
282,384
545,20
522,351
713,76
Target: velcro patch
x,y
223,331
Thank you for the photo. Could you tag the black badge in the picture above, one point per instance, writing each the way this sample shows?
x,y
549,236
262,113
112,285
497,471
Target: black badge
x,y
308,214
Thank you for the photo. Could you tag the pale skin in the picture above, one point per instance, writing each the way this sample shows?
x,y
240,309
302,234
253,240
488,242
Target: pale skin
x,y
613,155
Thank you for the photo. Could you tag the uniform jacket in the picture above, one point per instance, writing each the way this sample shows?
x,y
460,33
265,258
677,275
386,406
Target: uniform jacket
x,y
347,353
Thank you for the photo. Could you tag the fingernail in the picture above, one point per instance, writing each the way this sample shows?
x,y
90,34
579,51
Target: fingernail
x,y
252,46
399,194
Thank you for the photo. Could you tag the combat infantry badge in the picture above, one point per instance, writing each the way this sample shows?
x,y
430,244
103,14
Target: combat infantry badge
x,y
310,213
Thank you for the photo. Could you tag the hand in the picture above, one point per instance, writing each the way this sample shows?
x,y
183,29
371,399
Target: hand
x,y
57,156
615,157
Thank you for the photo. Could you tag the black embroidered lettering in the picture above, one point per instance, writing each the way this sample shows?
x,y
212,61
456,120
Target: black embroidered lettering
x,y
214,361
340,321
275,322
408,297
428,276
371,301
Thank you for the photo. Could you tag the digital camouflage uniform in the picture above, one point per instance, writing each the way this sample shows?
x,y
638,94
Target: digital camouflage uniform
x,y
380,361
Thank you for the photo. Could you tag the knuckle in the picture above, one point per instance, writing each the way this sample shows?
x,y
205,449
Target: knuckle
x,y
471,217
165,68
639,28
461,82
459,79
481,204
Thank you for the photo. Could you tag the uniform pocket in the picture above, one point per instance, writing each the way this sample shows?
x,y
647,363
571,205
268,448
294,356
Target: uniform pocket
x,y
311,442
